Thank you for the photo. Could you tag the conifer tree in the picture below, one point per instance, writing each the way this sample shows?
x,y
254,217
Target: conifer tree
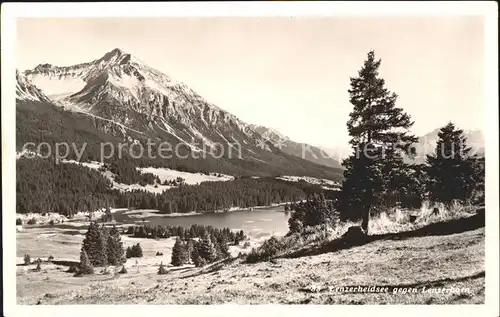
x,y
451,170
115,247
195,254
27,259
94,245
38,265
189,249
379,137
136,251
179,254
207,249
161,269
222,247
85,264
128,253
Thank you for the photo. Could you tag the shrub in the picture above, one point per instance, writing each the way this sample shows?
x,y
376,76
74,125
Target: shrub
x,y
27,259
158,253
266,251
123,270
50,258
51,222
246,244
73,269
315,211
19,222
32,221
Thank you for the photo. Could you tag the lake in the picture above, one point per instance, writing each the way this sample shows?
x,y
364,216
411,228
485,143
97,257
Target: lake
x,y
255,223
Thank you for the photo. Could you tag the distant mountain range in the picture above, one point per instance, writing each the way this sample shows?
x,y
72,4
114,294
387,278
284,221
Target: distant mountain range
x,y
309,152
427,144
119,97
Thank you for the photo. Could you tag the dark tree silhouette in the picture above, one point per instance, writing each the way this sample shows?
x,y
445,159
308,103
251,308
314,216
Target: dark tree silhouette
x,y
379,137
451,170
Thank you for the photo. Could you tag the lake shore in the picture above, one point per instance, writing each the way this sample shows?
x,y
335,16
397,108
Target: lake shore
x,y
146,213
46,218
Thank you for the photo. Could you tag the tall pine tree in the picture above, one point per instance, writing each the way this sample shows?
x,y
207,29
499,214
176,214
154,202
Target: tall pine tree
x,y
94,245
451,170
379,137
207,249
179,253
115,247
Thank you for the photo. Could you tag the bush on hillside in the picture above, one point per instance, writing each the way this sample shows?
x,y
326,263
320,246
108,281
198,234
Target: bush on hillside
x,y
266,251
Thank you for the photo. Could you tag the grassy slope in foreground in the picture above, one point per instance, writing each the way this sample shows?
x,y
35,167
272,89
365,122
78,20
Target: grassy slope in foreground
x,y
455,260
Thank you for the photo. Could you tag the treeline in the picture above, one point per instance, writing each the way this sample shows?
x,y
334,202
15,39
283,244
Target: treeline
x,y
43,186
219,196
195,231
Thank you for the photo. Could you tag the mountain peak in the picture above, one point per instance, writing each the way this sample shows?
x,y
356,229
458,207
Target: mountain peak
x,y
40,67
117,56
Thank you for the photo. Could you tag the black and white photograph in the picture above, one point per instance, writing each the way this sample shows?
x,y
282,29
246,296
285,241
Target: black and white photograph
x,y
252,159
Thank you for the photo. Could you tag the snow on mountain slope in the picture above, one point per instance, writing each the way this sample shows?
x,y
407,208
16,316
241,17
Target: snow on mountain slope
x,y
27,91
166,174
130,94
310,180
118,86
306,151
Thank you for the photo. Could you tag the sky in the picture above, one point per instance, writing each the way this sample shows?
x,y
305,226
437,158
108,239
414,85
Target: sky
x,y
288,73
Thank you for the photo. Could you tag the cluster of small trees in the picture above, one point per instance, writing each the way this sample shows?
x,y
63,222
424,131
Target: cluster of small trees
x,y
101,246
200,252
134,252
195,231
174,182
